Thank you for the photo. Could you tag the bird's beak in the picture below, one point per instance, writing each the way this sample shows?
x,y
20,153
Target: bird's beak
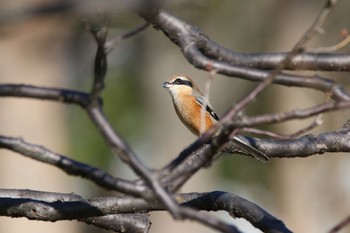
x,y
166,84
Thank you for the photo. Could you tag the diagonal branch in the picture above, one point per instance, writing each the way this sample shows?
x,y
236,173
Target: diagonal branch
x,y
237,207
70,166
122,149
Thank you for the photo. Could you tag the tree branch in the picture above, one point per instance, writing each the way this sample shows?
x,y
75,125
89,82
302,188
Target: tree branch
x,y
184,34
71,167
53,207
191,41
45,93
236,206
307,145
46,206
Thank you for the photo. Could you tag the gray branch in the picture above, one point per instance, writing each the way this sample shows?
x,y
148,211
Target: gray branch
x,y
54,207
70,166
125,212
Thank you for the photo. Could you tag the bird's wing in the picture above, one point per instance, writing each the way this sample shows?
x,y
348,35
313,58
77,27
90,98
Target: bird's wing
x,y
202,101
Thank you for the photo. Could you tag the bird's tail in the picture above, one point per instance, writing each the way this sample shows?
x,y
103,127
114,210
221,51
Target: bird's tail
x,y
259,155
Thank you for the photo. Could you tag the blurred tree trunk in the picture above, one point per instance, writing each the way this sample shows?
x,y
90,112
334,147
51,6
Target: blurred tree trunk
x,y
33,52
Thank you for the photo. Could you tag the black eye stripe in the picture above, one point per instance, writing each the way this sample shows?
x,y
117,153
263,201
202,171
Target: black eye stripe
x,y
180,81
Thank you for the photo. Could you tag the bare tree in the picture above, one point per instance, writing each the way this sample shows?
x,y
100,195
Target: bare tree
x,y
157,189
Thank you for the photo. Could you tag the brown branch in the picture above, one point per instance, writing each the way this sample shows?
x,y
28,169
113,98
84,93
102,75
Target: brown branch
x,y
340,226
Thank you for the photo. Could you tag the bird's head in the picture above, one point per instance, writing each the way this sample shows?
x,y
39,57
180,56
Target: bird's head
x,y
179,84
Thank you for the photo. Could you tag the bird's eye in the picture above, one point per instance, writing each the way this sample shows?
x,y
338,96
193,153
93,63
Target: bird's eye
x,y
181,81
178,81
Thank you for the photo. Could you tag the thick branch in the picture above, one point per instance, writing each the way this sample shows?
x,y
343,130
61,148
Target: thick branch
x,y
47,206
237,207
55,206
176,29
190,40
195,156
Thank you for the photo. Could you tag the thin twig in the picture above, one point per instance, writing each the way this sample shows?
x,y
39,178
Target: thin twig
x,y
111,44
340,226
332,48
315,123
272,118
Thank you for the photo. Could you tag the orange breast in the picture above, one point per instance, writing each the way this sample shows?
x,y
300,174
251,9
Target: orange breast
x,y
189,112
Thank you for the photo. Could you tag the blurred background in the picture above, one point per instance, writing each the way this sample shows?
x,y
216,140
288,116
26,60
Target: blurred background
x,y
309,195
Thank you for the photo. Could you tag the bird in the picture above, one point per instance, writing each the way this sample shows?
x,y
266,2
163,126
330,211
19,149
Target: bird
x,y
188,102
